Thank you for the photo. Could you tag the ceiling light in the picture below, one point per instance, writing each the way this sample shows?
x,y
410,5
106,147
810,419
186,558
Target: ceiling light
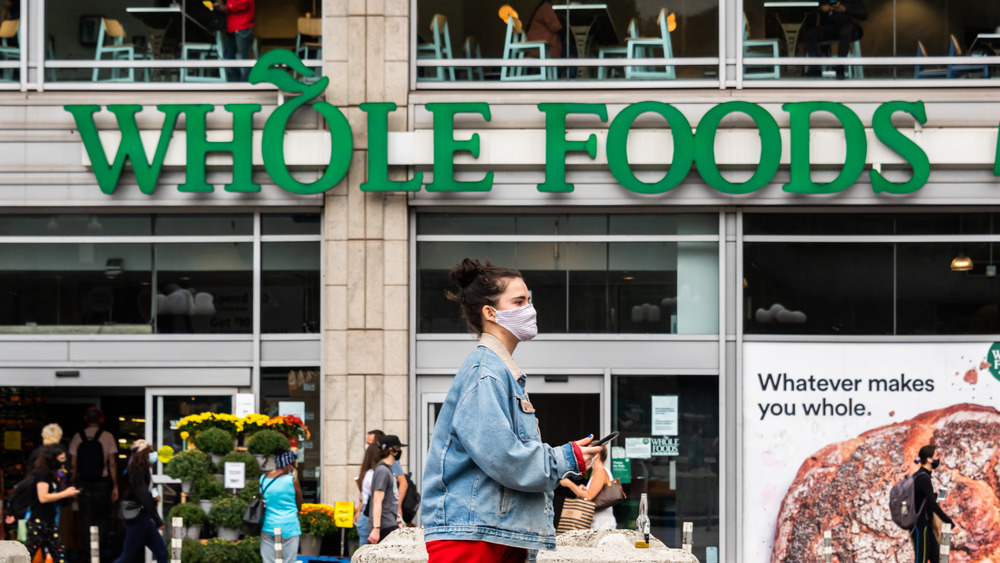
x,y
961,263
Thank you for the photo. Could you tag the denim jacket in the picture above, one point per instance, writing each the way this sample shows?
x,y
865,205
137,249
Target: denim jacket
x,y
488,475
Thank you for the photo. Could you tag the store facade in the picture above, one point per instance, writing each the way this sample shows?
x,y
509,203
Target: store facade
x,y
733,273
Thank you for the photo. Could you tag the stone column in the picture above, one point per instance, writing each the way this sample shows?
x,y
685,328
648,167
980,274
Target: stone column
x,y
365,334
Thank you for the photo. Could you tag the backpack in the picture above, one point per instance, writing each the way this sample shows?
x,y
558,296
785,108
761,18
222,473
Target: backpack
x,y
90,457
411,502
21,498
902,497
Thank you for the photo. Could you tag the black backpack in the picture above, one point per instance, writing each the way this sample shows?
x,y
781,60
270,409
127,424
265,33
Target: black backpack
x,y
411,502
90,457
21,498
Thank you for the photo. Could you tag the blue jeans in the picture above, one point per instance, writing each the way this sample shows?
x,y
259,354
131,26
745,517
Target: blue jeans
x,y
364,527
289,547
237,46
142,533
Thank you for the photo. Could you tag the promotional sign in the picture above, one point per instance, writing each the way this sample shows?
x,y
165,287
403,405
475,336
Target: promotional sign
x,y
829,428
343,514
244,404
235,475
637,448
664,415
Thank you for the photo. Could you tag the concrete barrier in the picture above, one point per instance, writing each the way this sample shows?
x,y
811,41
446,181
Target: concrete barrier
x,y
13,552
406,545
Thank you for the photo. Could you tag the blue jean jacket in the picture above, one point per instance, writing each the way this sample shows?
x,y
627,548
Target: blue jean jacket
x,y
488,475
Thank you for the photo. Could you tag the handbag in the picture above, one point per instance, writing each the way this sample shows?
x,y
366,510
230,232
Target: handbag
x,y
130,511
253,516
610,495
577,514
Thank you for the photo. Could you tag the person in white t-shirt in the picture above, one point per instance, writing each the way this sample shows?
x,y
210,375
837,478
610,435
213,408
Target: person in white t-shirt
x,y
364,480
600,476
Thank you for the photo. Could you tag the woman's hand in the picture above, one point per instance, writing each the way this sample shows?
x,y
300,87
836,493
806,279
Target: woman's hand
x,y
588,452
373,536
70,492
566,483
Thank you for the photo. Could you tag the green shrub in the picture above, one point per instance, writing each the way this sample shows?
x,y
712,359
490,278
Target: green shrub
x,y
188,465
248,550
208,488
220,551
192,514
214,441
250,468
247,493
264,442
192,551
228,513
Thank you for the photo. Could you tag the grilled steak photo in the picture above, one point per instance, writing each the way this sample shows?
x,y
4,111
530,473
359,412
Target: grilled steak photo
x,y
844,488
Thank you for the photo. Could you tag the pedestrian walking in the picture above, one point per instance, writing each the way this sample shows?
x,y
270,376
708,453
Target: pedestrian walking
x,y
42,528
94,459
385,491
925,542
362,521
142,522
600,476
282,500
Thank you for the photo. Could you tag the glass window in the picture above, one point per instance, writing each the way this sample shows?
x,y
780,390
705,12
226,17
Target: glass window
x,y
869,223
295,390
204,288
289,299
203,225
587,287
681,473
81,288
291,224
869,28
565,224
91,225
152,30
526,30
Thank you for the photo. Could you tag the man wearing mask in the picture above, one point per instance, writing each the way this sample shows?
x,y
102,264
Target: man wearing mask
x,y
925,544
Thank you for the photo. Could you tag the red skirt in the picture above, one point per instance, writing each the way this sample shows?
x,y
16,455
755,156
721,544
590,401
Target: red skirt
x,y
458,551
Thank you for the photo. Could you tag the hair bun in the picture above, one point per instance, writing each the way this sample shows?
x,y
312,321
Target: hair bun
x,y
466,272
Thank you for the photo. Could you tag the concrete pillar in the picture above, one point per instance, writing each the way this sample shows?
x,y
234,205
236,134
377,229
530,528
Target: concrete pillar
x,y
365,334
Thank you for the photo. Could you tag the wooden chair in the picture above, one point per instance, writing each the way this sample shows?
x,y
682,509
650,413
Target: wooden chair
x,y
9,29
516,48
643,47
440,49
954,71
616,52
204,52
118,49
308,40
758,48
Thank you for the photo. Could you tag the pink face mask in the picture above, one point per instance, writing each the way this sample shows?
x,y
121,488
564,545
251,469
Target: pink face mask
x,y
520,322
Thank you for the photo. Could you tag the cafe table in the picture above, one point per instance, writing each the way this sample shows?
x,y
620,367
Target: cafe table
x,y
791,16
590,23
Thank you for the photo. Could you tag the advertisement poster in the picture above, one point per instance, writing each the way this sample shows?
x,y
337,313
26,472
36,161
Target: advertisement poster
x,y
664,415
829,428
637,448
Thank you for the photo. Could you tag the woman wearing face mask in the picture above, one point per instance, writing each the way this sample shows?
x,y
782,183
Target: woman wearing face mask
x,y
42,528
925,544
488,480
143,530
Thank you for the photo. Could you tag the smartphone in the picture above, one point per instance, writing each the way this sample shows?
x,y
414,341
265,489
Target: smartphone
x,y
942,494
604,440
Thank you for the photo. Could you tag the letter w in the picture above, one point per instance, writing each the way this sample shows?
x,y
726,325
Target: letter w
x,y
146,173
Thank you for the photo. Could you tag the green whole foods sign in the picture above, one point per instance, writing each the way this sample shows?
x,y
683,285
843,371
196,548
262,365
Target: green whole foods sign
x,y
694,147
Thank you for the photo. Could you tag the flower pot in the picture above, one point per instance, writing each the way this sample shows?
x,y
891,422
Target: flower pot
x,y
216,459
263,461
192,532
186,486
205,504
231,534
309,545
220,478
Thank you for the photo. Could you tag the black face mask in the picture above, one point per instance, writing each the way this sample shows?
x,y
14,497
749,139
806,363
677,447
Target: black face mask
x,y
935,463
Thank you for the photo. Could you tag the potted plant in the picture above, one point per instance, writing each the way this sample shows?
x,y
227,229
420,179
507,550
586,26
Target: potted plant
x,y
214,441
262,445
227,516
193,517
187,466
291,426
219,550
207,490
250,468
253,423
192,551
249,491
248,551
316,521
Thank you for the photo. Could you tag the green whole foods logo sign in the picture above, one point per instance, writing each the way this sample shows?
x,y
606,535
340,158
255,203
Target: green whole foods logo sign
x,y
993,357
693,148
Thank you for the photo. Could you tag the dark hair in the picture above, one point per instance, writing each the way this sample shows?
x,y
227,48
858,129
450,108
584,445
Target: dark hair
x,y
47,460
368,462
926,453
604,453
478,286
378,435
94,415
140,459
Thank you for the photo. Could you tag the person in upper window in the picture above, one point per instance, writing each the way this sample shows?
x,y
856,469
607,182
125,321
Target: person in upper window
x,y
545,26
239,35
839,20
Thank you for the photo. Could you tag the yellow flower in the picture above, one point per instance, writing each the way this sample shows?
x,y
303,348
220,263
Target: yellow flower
x,y
185,435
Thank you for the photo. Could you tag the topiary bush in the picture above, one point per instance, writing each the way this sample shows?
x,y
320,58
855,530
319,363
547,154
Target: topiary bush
x,y
248,492
192,551
250,467
214,441
228,513
188,465
208,488
220,551
248,550
192,514
264,442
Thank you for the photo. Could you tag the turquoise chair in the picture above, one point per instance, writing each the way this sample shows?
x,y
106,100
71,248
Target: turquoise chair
x,y
640,46
308,40
471,48
616,52
204,52
440,49
9,29
920,71
119,51
515,48
853,72
954,71
758,48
